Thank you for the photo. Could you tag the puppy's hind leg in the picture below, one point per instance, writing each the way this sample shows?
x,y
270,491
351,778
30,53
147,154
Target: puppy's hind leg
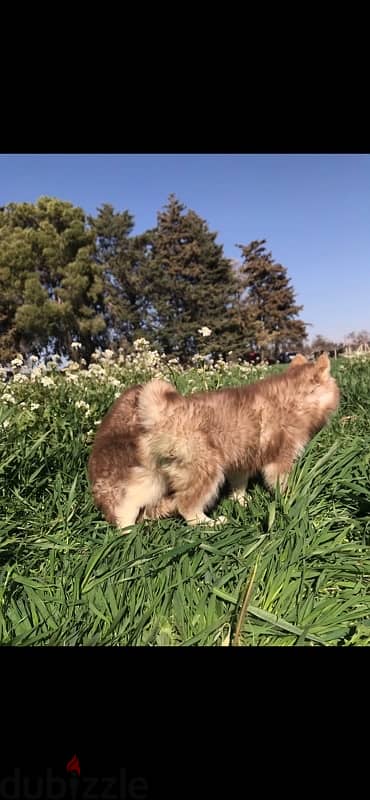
x,y
276,473
166,507
238,482
144,488
200,492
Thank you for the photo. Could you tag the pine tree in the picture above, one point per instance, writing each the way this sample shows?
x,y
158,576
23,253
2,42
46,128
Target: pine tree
x,y
189,285
50,286
267,302
121,257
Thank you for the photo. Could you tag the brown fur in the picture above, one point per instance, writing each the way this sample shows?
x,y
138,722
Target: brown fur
x,y
158,453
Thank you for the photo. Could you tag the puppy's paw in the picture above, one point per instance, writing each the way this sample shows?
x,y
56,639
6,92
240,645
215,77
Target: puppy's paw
x,y
240,497
221,520
199,519
202,519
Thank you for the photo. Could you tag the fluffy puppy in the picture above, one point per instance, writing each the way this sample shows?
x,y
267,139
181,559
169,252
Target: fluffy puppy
x,y
158,453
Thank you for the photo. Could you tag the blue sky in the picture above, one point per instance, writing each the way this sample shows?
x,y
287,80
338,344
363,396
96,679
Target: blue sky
x,y
314,211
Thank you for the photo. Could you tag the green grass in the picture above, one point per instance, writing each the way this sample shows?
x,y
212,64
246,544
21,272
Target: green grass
x,y
286,571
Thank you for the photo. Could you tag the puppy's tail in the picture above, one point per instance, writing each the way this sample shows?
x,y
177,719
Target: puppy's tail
x,y
160,410
157,401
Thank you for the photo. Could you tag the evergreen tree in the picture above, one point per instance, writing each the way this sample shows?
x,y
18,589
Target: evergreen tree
x,y
121,258
267,302
189,285
50,287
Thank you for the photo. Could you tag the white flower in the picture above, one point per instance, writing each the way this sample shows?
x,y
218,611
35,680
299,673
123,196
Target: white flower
x,y
72,366
46,381
34,359
20,378
6,423
95,370
140,344
17,361
82,404
36,372
204,331
34,406
76,345
108,354
8,398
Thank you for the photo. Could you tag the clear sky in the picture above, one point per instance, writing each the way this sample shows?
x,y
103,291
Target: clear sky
x,y
314,211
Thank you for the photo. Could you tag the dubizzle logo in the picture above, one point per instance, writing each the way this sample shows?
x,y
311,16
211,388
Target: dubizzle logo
x,y
122,787
74,766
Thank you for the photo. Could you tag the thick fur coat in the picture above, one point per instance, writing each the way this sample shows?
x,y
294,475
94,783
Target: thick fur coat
x,y
158,453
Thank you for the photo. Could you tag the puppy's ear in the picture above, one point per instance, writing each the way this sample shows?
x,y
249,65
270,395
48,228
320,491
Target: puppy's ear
x,y
322,367
297,361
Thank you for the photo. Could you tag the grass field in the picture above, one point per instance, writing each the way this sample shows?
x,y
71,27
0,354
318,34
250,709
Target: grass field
x,y
286,571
